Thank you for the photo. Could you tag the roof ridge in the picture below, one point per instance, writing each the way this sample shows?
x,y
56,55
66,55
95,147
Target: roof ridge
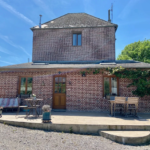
x,y
79,13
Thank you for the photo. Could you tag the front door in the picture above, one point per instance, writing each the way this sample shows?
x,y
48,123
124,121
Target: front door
x,y
59,98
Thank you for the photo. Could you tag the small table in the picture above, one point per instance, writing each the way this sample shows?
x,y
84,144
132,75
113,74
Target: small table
x,y
33,105
111,106
112,102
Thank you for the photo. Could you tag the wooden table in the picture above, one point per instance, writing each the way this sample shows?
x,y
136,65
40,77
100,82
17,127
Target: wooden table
x,y
111,106
112,102
32,104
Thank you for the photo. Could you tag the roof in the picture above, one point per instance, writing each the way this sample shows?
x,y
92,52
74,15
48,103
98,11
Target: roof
x,y
75,20
79,64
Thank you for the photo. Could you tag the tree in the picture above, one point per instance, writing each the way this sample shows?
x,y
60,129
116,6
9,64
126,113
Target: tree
x,y
138,51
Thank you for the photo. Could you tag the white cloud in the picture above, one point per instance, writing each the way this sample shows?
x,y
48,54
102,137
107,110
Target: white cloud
x,y
6,62
6,39
127,9
3,50
12,10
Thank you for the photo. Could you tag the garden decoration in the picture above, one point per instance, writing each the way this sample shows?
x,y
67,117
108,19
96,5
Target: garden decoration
x,y
46,113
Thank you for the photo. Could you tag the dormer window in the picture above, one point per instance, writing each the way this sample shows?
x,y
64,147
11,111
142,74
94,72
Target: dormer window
x,y
77,39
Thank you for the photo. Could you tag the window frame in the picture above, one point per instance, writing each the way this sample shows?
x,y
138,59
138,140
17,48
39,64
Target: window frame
x,y
77,33
25,85
111,76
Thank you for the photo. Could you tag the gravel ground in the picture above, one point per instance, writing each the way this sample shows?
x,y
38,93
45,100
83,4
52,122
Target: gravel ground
x,y
15,138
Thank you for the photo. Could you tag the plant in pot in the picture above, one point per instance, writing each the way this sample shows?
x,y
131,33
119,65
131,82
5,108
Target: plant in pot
x,y
108,97
34,96
46,113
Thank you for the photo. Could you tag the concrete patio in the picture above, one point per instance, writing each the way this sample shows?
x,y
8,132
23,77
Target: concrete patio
x,y
115,128
80,118
86,118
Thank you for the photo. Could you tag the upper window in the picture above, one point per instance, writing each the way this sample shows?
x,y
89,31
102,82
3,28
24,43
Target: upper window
x,y
110,86
77,39
25,85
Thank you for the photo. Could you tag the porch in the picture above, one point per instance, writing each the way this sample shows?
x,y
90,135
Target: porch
x,y
80,118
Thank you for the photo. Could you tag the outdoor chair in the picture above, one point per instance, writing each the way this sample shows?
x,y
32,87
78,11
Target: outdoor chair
x,y
132,104
120,104
20,103
31,109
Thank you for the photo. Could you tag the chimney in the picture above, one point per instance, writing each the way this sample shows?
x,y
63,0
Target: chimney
x,y
40,21
109,16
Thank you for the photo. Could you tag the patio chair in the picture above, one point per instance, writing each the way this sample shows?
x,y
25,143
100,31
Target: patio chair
x,y
20,102
119,104
132,104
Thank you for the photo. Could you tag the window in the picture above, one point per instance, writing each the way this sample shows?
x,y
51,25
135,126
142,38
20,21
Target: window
x,y
25,85
77,39
60,85
110,86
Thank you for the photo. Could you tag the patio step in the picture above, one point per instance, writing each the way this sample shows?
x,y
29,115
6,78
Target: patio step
x,y
127,137
59,110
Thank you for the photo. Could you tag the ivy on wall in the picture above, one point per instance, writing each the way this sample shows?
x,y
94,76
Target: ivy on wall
x,y
140,78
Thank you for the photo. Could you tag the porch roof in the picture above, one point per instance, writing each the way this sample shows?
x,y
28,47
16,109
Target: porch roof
x,y
79,64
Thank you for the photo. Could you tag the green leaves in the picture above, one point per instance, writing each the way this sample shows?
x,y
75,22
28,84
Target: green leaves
x,y
138,51
140,79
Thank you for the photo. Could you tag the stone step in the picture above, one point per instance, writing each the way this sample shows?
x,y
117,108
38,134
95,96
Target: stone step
x,y
59,110
127,137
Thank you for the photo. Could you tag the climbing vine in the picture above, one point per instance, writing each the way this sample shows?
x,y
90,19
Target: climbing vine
x,y
140,78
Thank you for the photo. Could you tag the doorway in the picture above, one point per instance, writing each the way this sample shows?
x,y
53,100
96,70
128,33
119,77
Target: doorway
x,y
59,92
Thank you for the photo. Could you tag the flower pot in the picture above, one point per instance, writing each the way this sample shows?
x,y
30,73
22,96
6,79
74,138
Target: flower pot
x,y
107,97
46,117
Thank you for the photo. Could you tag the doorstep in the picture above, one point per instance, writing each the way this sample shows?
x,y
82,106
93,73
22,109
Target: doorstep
x,y
59,110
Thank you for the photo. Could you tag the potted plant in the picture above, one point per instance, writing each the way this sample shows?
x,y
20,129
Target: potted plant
x,y
1,108
46,113
34,96
108,97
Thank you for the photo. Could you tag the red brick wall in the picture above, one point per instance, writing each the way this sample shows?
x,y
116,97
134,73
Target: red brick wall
x,y
82,93
43,87
56,44
8,86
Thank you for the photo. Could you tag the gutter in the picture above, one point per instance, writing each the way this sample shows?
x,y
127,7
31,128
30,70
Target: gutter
x,y
115,25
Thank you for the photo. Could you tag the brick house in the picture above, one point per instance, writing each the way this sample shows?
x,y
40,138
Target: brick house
x,y
62,48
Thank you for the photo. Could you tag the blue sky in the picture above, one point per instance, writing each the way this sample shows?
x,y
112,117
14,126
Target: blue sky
x,y
18,16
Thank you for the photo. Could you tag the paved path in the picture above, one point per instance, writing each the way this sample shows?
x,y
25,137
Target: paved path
x,y
13,138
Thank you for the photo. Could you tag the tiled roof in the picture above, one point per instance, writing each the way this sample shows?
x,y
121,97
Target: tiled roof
x,y
78,64
74,20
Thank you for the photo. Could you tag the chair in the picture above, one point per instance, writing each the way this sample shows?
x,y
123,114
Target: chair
x,y
120,103
20,102
132,104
